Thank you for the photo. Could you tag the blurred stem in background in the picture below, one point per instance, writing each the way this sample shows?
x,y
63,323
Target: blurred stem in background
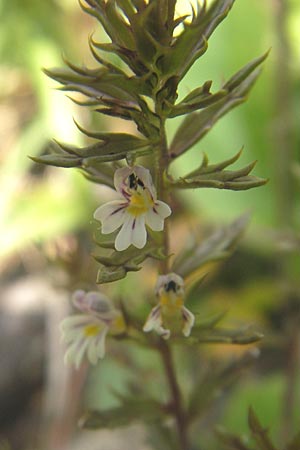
x,y
284,158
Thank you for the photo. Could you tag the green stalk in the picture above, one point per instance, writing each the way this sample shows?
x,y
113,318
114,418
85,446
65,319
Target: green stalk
x,y
176,404
161,165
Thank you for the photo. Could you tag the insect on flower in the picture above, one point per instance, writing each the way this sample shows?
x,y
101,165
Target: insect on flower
x,y
137,208
170,311
85,333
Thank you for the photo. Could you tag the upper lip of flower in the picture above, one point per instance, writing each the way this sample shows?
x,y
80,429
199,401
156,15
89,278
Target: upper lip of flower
x,y
137,208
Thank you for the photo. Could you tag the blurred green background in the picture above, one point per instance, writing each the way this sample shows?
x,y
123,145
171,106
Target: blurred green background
x,y
45,213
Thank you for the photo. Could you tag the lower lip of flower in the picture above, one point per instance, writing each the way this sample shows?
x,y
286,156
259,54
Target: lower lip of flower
x,y
91,330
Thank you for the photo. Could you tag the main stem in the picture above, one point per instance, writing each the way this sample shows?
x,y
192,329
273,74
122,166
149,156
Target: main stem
x,y
161,165
176,405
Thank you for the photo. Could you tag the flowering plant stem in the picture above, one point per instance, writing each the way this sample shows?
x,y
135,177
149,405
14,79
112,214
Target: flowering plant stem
x,y
161,165
177,407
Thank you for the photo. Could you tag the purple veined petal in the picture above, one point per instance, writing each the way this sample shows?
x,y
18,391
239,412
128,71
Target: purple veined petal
x,y
139,233
111,215
153,220
188,321
153,320
145,176
132,232
120,177
162,209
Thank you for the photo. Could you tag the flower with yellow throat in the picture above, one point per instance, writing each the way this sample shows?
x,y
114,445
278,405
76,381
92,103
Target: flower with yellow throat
x,y
137,208
170,313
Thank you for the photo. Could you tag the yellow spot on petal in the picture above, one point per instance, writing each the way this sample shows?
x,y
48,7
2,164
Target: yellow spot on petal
x,y
91,330
140,202
171,302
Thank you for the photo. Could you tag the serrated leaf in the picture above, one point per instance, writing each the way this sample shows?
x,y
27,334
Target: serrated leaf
x,y
215,247
214,176
197,124
192,42
113,23
259,433
200,102
132,410
115,265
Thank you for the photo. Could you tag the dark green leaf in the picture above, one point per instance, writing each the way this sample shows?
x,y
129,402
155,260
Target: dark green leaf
x,y
197,124
58,160
115,265
259,433
207,176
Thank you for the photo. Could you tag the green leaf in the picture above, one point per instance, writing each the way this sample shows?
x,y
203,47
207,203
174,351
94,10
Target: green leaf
x,y
197,102
259,433
214,176
192,42
115,265
58,160
217,246
132,410
242,336
113,23
197,124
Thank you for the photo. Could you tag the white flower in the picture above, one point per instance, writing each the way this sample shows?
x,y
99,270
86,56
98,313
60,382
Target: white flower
x,y
137,208
170,310
85,333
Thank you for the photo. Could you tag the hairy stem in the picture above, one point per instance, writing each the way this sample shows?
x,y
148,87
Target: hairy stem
x,y
161,165
177,406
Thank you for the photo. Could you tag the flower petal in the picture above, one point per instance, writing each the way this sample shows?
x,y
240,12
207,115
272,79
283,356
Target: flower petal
x,y
145,176
79,355
101,343
153,320
111,215
139,233
133,232
188,321
120,177
154,221
162,209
